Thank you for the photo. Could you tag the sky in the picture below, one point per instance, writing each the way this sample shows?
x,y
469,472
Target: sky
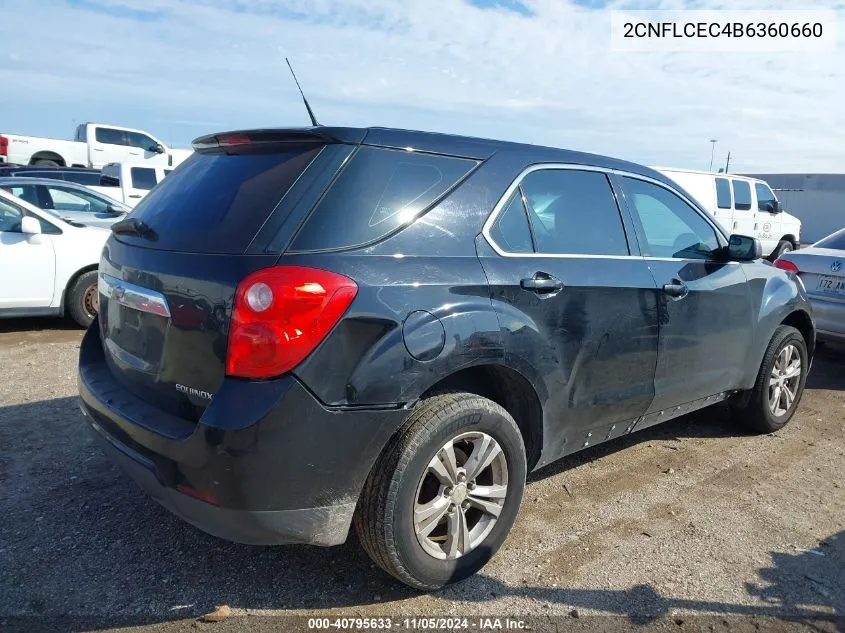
x,y
537,71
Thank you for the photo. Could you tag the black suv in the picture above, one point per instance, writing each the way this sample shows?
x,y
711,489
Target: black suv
x,y
304,329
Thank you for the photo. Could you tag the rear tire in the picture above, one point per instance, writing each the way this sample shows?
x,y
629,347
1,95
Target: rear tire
x,y
767,408
415,485
45,162
83,300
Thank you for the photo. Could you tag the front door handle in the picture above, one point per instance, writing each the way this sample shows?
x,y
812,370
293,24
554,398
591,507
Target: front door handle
x,y
542,283
677,289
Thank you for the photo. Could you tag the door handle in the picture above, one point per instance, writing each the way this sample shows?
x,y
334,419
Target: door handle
x,y
134,195
542,283
677,289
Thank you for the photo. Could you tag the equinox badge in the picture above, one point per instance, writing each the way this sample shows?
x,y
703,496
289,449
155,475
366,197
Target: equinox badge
x,y
192,391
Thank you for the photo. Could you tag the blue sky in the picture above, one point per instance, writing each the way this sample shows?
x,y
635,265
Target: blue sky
x,y
539,71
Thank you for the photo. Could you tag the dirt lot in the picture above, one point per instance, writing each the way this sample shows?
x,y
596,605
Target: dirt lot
x,y
694,517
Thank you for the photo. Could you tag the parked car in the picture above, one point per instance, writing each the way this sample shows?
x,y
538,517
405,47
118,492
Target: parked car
x,y
67,200
79,175
392,337
821,268
50,265
132,181
95,145
743,205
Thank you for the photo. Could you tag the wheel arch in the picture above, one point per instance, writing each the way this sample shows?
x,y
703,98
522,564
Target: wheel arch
x,y
801,321
47,155
72,280
508,388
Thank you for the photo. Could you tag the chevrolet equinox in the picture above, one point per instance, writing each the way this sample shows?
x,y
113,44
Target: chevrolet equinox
x,y
301,330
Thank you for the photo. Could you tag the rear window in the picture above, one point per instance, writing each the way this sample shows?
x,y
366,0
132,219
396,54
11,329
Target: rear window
x,y
837,241
379,191
215,203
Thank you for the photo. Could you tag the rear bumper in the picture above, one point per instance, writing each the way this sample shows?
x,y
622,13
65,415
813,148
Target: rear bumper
x,y
266,464
830,318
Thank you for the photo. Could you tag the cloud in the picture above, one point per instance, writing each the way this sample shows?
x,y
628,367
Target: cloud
x,y
537,70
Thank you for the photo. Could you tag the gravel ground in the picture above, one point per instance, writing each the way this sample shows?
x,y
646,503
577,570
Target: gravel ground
x,y
682,520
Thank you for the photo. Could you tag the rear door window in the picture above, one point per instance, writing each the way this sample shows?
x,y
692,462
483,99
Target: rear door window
x,y
742,195
511,231
380,191
723,193
110,136
215,203
574,212
143,178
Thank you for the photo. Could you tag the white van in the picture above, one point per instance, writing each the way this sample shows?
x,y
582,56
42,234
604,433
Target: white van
x,y
746,206
129,182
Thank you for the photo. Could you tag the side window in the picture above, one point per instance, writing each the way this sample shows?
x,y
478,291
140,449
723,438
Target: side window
x,y
670,226
511,231
136,139
765,197
143,178
71,200
742,195
574,212
723,193
10,217
378,192
27,193
110,136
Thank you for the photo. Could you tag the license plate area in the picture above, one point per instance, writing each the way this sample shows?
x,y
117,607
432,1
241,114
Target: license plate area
x,y
831,285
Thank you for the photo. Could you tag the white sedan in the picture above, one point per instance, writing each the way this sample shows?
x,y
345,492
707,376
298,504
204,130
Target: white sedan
x,y
49,266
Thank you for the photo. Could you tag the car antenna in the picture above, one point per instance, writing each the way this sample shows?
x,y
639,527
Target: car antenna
x,y
304,100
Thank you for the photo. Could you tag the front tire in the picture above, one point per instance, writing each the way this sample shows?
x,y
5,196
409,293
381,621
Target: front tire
x,y
780,383
83,299
445,492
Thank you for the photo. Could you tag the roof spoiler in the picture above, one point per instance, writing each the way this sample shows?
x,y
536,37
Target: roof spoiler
x,y
264,137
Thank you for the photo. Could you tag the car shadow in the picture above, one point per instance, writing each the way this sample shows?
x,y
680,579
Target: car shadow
x,y
828,370
37,324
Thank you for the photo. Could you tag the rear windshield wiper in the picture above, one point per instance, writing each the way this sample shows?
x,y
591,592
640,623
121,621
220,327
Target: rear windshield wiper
x,y
134,226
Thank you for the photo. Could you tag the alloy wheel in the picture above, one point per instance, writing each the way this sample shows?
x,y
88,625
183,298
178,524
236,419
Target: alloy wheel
x,y
460,495
784,380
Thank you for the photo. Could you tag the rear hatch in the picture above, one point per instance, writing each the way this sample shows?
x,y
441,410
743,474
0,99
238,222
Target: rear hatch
x,y
169,273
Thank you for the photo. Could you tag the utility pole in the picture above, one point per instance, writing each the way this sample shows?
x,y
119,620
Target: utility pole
x,y
712,151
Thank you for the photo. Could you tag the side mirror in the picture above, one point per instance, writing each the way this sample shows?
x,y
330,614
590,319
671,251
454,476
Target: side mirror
x,y
770,206
742,248
157,148
112,210
30,225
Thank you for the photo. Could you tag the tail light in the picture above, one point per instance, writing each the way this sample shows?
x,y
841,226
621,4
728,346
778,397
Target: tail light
x,y
281,314
785,264
4,146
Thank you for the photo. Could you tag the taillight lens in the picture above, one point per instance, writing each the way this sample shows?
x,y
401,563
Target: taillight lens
x,y
281,314
4,146
785,264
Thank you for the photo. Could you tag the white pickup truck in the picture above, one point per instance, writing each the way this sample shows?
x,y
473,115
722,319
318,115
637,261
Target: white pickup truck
x,y
95,145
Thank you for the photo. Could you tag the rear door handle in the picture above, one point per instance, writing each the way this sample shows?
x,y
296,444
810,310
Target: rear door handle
x,y
134,195
676,289
542,283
